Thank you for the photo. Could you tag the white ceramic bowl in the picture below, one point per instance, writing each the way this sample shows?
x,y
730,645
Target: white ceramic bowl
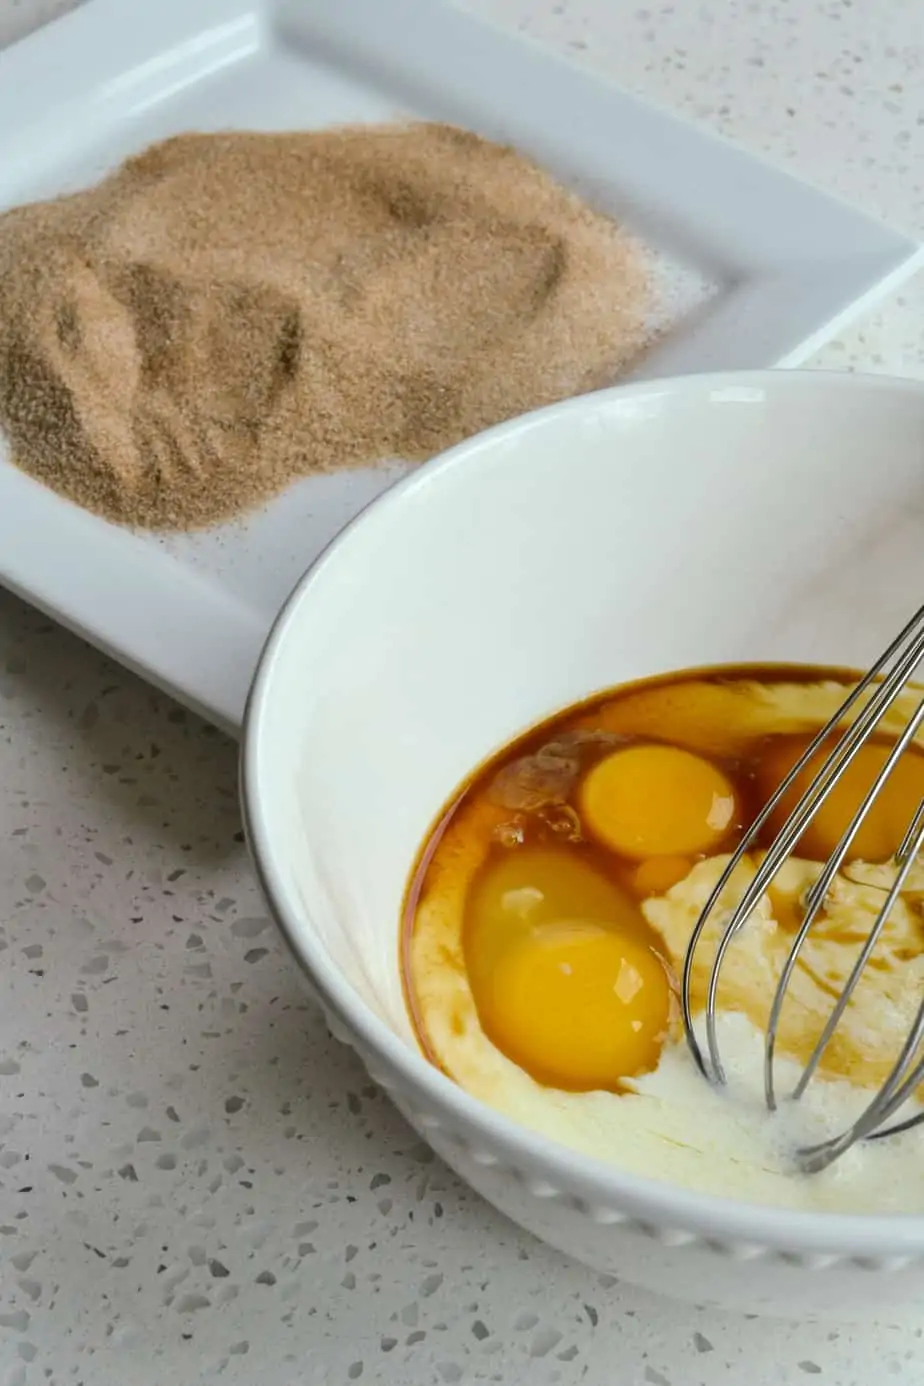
x,y
713,519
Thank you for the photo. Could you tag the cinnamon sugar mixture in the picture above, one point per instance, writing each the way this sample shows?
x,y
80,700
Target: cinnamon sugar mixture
x,y
226,313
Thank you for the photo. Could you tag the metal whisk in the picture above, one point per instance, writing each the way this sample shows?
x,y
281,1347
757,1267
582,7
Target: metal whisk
x,y
889,677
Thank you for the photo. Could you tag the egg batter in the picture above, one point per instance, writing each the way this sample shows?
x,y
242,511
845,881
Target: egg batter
x,y
548,925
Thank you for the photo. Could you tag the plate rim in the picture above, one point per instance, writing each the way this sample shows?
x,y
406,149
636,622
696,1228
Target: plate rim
x,y
204,648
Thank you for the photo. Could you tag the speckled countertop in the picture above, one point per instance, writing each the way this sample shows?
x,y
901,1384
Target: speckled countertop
x,y
196,1183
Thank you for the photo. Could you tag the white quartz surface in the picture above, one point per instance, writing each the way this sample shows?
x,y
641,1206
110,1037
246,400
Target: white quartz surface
x,y
196,1183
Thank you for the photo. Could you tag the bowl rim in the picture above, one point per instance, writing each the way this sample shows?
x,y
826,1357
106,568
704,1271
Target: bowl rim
x,y
717,1219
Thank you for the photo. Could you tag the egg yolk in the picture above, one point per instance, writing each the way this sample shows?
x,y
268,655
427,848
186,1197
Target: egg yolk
x,y
577,1005
530,886
884,826
564,971
656,875
657,801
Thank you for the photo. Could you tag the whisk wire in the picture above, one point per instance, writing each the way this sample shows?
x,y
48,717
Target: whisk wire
x,y
858,968
713,1069
816,896
868,1125
890,674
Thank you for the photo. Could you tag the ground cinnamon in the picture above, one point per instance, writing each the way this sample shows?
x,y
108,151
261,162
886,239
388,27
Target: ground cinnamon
x,y
227,312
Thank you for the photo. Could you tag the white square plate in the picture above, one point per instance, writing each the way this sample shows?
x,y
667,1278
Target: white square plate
x,y
788,265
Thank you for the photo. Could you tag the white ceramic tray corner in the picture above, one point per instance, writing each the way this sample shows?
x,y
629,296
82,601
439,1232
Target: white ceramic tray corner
x,y
190,613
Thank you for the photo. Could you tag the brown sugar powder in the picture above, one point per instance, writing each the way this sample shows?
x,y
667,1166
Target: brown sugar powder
x,y
228,312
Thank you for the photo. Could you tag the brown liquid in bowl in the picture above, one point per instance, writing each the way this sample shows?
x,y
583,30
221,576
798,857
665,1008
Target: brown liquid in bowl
x,y
532,797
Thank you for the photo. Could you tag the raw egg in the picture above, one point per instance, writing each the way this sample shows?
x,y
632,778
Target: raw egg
x,y
658,874
886,823
521,889
577,1005
563,970
658,801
